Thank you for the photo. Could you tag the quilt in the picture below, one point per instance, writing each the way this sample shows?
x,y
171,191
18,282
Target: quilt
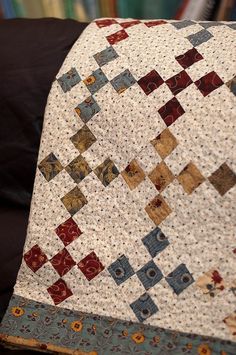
x,y
131,237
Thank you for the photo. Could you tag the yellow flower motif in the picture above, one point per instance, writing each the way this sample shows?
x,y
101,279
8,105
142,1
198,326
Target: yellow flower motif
x,y
122,89
64,321
17,311
223,352
138,338
35,314
189,346
125,333
156,339
90,80
204,349
76,326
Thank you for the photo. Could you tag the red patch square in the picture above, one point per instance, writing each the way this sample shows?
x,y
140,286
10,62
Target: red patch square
x,y
62,262
59,291
90,266
209,83
117,37
35,258
150,82
130,23
171,111
68,231
154,23
179,82
189,58
105,22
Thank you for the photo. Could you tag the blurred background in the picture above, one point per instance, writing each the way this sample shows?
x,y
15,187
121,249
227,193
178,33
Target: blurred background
x,y
87,10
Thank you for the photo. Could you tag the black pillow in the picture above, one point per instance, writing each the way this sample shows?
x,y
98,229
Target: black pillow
x,y
32,51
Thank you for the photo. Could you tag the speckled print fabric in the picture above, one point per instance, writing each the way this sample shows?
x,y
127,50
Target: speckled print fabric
x,y
133,212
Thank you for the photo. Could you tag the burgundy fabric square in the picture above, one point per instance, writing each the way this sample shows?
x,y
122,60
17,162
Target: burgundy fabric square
x,y
189,58
117,37
179,82
62,262
150,82
171,111
90,266
68,231
59,291
130,23
155,23
105,22
35,258
209,83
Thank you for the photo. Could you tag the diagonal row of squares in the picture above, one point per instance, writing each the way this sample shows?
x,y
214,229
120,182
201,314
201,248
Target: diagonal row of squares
x,y
195,39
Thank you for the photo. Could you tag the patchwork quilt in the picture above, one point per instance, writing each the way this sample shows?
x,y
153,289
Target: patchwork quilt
x,y
131,238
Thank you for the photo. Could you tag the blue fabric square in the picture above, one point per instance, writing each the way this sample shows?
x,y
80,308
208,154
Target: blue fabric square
x,y
123,81
182,24
69,79
149,275
144,307
121,270
96,81
200,37
105,56
87,109
155,241
179,279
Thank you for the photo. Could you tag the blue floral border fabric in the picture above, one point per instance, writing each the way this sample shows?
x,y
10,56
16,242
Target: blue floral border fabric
x,y
98,335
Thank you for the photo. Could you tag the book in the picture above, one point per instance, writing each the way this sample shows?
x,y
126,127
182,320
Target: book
x,y
7,9
79,11
52,8
32,8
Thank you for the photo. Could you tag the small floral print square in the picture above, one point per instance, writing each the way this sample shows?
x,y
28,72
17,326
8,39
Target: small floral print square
x,y
223,179
171,111
230,321
78,169
150,82
211,283
35,258
91,266
179,82
123,81
158,209
105,56
117,37
87,109
59,291
62,262
128,24
68,80
189,58
209,83
133,174
83,139
121,270
96,81
50,167
161,176
74,200
165,143
105,22
149,275
155,23
155,242
179,279
144,307
190,178
68,231
106,172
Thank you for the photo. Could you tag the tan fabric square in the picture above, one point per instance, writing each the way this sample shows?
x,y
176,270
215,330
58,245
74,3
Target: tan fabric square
x,y
158,209
133,174
165,143
74,200
211,283
223,179
78,169
230,321
190,178
161,176
83,139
